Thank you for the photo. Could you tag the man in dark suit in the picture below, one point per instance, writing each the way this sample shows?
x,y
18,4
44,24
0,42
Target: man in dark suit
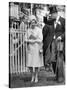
x,y
50,34
47,38
58,35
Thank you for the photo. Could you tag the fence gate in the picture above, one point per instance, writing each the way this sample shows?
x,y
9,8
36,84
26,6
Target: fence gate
x,y
17,51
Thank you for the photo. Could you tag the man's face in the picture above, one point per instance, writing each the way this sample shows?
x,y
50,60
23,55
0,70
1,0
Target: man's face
x,y
54,15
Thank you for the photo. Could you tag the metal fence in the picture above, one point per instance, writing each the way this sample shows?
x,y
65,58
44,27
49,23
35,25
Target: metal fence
x,y
17,51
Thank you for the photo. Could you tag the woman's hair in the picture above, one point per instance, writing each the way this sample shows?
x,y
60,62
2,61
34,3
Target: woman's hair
x,y
33,20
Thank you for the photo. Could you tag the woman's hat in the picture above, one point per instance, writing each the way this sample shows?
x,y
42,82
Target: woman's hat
x,y
32,17
53,9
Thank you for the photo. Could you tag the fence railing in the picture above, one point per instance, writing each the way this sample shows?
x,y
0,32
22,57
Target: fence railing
x,y
17,51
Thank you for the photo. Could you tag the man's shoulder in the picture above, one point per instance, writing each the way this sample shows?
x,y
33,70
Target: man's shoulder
x,y
61,19
47,26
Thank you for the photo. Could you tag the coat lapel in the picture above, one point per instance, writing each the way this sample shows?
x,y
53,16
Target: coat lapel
x,y
58,24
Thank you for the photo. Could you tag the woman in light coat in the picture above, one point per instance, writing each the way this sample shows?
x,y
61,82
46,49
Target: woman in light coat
x,y
34,57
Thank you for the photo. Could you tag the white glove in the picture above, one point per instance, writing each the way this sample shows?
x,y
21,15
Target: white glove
x,y
59,38
54,37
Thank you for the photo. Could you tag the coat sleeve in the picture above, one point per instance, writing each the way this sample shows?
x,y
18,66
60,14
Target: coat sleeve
x,y
45,31
63,27
63,23
40,35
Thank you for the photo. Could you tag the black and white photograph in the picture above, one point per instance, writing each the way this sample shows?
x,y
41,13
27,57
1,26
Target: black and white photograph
x,y
36,44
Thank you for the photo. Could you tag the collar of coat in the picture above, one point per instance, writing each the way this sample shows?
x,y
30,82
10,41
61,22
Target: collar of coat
x,y
57,20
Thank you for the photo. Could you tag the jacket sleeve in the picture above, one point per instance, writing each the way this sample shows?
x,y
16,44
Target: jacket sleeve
x,y
63,24
40,35
45,31
63,27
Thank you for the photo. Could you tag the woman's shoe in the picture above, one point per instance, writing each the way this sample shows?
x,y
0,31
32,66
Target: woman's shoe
x,y
32,79
36,80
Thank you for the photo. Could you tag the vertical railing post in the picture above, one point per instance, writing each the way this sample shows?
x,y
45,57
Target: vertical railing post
x,y
21,52
18,55
10,62
13,55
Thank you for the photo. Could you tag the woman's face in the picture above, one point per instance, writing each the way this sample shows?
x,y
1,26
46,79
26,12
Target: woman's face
x,y
33,23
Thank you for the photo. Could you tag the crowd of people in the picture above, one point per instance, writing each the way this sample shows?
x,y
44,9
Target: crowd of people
x,y
52,35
